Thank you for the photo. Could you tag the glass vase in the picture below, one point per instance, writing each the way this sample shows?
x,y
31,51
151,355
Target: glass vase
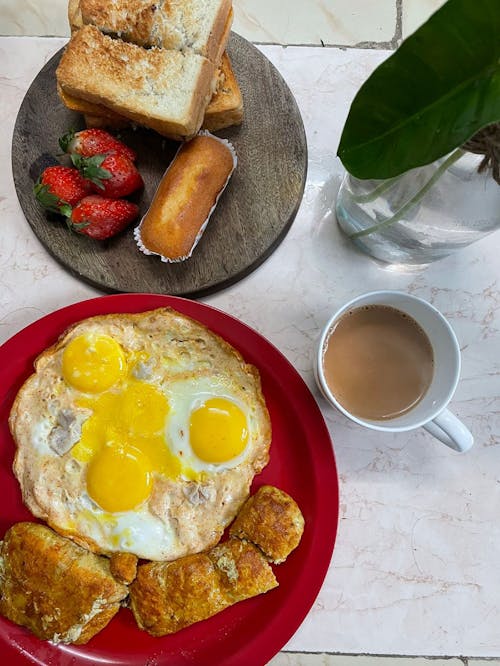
x,y
423,214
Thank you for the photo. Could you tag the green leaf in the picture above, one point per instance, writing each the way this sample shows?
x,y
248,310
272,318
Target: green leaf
x,y
431,95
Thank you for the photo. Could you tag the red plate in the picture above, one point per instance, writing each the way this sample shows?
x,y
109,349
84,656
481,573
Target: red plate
x,y
302,463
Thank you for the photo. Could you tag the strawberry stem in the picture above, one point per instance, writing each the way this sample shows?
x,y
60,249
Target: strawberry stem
x,y
90,168
66,140
48,200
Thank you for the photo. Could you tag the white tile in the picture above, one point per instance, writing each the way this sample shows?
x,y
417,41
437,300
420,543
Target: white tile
x,y
31,17
415,12
321,659
406,577
344,22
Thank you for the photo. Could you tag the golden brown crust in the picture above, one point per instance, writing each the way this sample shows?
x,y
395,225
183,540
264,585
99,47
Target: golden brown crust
x,y
131,20
55,588
84,106
243,572
123,567
219,37
166,597
202,27
96,624
185,198
226,106
165,90
74,15
271,520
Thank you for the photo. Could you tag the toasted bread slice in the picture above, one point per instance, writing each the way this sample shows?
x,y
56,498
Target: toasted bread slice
x,y
58,590
74,15
162,89
89,108
225,109
199,25
226,106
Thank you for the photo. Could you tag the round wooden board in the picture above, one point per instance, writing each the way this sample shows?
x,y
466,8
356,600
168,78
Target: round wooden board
x,y
252,216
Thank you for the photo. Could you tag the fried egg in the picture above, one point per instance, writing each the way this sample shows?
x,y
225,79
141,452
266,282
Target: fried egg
x,y
140,433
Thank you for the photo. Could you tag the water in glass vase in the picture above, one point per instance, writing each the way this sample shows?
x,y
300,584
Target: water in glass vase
x,y
422,215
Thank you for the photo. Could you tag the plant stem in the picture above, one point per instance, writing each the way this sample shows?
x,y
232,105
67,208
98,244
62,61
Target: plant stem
x,y
451,159
374,194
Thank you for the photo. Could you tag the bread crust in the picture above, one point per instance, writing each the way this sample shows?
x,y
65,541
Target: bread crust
x,y
186,196
75,19
226,106
58,590
165,90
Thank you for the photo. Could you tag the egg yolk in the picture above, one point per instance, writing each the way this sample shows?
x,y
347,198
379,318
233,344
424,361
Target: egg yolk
x,y
131,417
93,363
218,431
119,477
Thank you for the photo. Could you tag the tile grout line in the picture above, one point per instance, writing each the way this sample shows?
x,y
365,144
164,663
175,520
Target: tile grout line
x,y
398,34
464,660
389,45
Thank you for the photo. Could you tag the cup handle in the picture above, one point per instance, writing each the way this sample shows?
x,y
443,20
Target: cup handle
x,y
451,431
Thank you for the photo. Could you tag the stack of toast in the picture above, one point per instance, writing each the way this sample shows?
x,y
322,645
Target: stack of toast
x,y
158,64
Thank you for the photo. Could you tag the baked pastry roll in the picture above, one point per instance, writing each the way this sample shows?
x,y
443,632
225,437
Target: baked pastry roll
x,y
168,596
271,520
55,588
186,197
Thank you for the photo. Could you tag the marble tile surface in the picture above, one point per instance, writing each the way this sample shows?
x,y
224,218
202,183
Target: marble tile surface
x,y
415,12
414,571
312,22
338,22
323,659
310,659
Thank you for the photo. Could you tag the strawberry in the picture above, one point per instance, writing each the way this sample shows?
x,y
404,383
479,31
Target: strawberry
x,y
95,141
113,175
101,217
61,185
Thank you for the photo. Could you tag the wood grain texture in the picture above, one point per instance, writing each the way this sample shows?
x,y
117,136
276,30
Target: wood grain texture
x,y
252,216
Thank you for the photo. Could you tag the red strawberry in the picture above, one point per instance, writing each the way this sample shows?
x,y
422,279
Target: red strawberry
x,y
113,175
95,141
61,185
101,218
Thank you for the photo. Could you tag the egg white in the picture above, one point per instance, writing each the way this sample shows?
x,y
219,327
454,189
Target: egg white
x,y
189,365
187,395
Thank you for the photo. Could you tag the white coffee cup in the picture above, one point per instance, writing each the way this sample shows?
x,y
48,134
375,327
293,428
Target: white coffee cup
x,y
431,412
